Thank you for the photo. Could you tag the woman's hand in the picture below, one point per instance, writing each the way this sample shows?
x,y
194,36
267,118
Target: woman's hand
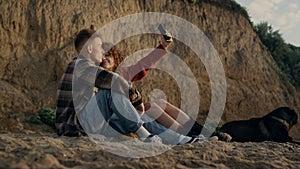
x,y
166,42
140,109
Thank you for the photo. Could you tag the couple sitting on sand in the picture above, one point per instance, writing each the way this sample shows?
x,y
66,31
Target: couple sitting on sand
x,y
109,111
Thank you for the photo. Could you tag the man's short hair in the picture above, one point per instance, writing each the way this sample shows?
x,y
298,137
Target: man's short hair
x,y
82,38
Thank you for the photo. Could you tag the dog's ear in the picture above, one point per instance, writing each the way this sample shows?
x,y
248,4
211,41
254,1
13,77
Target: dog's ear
x,y
293,116
276,113
284,113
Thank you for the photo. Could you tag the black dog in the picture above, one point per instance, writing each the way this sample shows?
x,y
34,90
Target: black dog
x,y
274,126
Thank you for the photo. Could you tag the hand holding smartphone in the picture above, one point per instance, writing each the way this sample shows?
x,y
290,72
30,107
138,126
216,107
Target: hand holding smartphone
x,y
166,35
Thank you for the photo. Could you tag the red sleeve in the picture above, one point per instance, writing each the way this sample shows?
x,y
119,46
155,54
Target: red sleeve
x,y
139,70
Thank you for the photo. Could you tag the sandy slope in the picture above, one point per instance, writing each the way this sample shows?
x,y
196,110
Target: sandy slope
x,y
36,150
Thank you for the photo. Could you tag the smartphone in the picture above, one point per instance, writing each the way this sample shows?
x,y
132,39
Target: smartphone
x,y
167,36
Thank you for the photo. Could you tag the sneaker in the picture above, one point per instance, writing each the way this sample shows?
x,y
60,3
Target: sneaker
x,y
152,139
197,139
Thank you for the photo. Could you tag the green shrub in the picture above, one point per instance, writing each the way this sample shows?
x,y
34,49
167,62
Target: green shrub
x,y
286,56
43,116
34,120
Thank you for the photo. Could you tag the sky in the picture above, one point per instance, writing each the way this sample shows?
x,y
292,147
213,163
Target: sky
x,y
282,15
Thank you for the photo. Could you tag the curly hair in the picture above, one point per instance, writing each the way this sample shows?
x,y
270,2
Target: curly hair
x,y
112,51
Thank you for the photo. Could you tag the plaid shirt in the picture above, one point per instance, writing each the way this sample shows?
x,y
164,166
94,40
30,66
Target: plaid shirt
x,y
79,83
76,89
66,122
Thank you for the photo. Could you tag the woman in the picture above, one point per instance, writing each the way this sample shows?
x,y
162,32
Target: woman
x,y
162,111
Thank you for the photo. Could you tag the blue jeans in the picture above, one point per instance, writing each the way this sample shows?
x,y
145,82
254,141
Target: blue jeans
x,y
110,114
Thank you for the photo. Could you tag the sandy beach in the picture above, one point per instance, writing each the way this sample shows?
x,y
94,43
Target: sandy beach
x,y
44,150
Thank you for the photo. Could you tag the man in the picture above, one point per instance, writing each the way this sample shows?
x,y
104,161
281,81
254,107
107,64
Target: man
x,y
75,94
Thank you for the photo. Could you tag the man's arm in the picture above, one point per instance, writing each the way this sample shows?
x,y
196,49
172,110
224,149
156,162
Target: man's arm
x,y
90,76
